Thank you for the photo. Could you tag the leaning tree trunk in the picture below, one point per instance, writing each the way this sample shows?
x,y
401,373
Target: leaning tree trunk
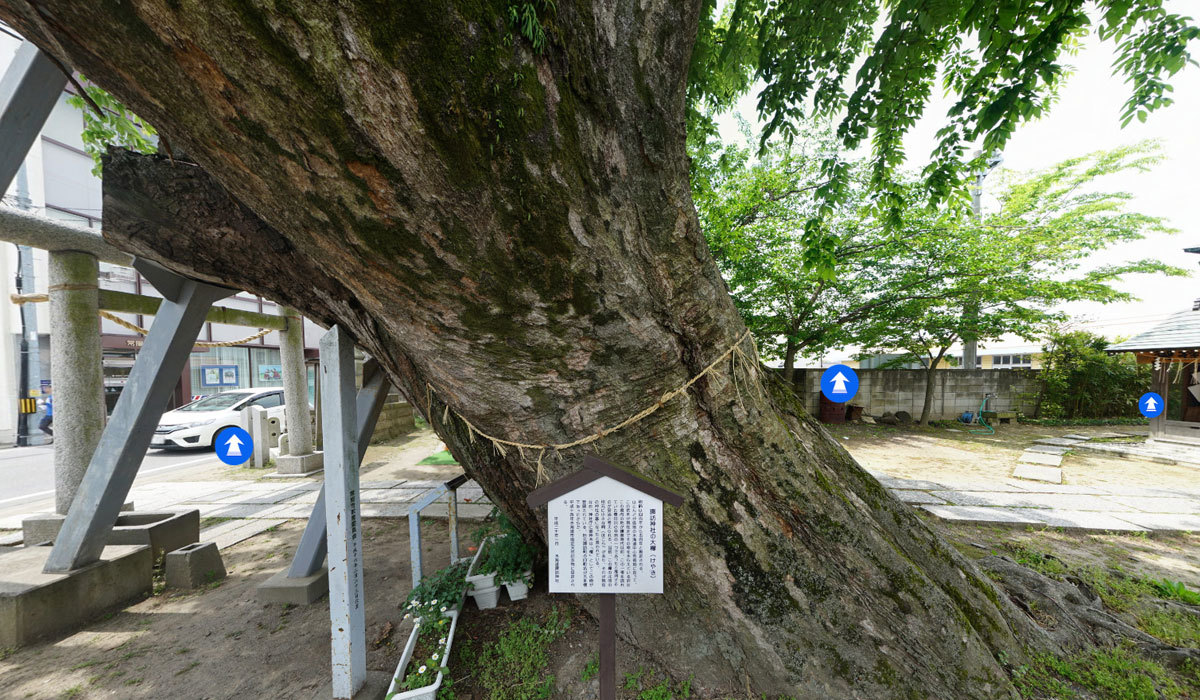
x,y
512,235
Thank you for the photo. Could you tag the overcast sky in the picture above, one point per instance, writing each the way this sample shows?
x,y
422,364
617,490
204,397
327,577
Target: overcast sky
x,y
1086,119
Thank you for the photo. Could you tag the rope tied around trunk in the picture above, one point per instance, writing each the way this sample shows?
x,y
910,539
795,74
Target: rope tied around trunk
x,y
737,357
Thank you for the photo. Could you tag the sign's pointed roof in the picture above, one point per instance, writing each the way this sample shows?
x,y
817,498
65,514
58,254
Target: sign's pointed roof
x,y
595,468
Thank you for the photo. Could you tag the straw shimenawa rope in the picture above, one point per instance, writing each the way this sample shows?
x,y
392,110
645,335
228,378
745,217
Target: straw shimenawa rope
x,y
736,356
42,298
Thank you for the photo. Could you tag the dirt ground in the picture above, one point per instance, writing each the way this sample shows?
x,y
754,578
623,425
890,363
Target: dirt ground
x,y
221,642
955,457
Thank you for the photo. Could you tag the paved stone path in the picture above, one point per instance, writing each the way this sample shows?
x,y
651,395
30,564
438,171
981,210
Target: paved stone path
x,y
254,506
1020,502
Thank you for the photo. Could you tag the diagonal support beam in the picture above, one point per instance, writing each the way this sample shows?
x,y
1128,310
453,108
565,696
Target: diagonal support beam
x,y
342,514
310,554
28,92
115,463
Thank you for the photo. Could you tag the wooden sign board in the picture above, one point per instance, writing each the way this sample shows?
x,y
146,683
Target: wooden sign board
x,y
604,536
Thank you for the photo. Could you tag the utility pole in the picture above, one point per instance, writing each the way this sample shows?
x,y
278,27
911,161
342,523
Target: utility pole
x,y
31,364
970,358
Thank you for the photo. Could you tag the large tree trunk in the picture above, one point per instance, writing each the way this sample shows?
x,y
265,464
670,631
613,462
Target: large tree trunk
x,y
513,236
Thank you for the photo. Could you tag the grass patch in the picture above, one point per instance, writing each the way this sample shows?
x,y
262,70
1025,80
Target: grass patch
x,y
1173,627
1116,674
209,522
514,666
443,457
1041,562
650,687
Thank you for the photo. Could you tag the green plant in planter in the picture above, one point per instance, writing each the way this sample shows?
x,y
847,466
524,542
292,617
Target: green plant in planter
x,y
438,593
428,657
508,555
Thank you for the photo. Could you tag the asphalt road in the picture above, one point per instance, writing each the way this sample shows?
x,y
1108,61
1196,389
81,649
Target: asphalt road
x,y
27,474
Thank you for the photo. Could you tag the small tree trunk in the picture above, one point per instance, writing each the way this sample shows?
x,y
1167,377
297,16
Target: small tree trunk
x,y
789,361
929,376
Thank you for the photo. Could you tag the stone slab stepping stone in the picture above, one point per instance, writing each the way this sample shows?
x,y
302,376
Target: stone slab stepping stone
x,y
1060,442
1040,458
982,514
1048,449
1076,436
1085,520
898,483
1111,435
1036,472
1159,505
963,498
918,497
1159,521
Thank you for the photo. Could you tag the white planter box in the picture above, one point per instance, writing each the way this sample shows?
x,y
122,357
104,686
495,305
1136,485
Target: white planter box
x,y
518,590
486,598
429,692
480,581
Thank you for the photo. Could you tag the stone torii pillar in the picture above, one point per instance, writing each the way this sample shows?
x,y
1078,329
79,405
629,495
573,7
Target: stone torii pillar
x,y
300,458
75,369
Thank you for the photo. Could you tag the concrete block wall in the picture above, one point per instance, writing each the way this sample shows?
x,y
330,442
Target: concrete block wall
x,y
395,420
954,391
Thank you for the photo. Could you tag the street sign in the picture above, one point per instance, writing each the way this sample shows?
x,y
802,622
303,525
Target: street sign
x,y
839,383
234,446
605,536
1151,405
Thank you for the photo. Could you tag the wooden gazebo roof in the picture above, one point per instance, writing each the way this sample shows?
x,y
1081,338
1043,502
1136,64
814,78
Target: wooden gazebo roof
x,y
1175,340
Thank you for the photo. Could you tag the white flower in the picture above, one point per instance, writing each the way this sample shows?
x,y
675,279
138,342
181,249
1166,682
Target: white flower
x,y
442,640
421,670
443,608
407,615
433,602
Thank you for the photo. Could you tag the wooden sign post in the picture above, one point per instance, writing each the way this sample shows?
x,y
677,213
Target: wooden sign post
x,y
605,532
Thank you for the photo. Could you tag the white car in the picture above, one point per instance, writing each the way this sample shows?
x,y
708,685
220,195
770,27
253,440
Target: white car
x,y
199,424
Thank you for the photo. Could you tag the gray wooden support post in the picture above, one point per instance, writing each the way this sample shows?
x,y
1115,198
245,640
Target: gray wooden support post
x,y
342,515
310,553
123,443
75,368
28,92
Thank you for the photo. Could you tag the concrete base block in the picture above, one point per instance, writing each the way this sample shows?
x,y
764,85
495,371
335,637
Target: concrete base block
x,y
374,689
35,605
41,528
297,591
300,465
194,565
163,531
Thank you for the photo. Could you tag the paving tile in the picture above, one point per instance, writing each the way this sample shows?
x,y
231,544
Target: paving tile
x,y
383,496
1038,473
1042,487
1058,501
1048,449
982,486
1164,521
382,484
395,510
239,510
964,498
1086,520
1039,458
916,484
248,530
1159,505
1077,436
1060,442
293,511
917,497
983,514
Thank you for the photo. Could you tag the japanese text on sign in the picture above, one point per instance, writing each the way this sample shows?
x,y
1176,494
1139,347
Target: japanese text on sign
x,y
605,537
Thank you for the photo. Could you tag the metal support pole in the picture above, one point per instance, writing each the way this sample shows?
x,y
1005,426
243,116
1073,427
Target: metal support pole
x,y
310,553
123,444
75,366
28,92
342,516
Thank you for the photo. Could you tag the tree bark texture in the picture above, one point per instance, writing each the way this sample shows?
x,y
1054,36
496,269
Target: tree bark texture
x,y
512,235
